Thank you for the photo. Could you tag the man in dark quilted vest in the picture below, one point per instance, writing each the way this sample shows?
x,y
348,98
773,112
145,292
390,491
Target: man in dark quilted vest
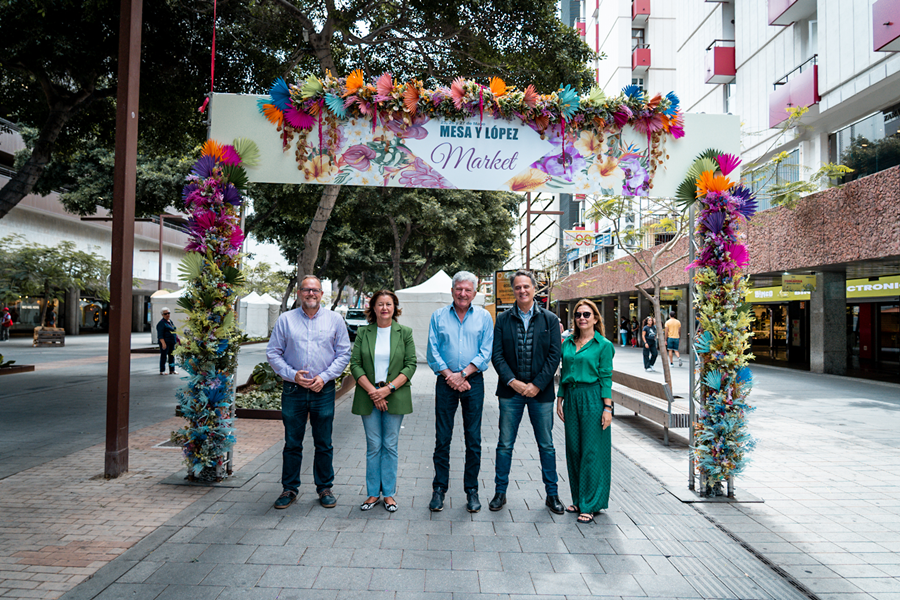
x,y
527,349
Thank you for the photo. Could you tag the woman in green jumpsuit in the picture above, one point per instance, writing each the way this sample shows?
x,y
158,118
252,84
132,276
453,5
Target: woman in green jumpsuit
x,y
585,406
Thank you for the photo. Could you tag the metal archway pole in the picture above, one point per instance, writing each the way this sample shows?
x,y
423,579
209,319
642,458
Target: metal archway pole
x,y
692,329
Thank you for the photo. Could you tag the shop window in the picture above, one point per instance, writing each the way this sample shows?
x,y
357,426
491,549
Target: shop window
x,y
762,180
870,145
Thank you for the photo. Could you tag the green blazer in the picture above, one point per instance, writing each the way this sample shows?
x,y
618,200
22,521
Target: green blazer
x,y
403,360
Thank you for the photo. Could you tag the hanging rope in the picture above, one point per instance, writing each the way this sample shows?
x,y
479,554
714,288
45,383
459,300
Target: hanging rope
x,y
212,60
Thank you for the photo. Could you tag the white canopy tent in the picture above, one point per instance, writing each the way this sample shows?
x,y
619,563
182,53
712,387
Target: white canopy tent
x,y
253,315
163,299
420,301
274,310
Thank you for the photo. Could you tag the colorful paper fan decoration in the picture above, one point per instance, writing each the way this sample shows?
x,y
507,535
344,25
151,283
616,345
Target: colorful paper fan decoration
x,y
498,87
384,87
209,337
568,102
355,80
298,119
411,99
281,94
632,91
336,105
530,97
722,442
311,87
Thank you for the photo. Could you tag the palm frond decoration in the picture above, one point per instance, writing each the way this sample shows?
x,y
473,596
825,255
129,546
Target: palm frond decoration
x,y
190,266
248,151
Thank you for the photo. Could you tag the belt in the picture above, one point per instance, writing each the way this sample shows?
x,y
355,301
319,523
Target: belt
x,y
381,384
582,386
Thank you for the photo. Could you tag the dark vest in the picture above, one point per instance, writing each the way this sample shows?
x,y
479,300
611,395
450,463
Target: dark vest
x,y
525,349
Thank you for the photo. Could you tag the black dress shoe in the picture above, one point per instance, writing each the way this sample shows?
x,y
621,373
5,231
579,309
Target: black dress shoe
x,y
473,505
555,505
437,501
497,501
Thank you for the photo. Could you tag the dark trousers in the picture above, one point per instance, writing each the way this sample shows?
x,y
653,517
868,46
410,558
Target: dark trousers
x,y
650,355
298,403
165,355
446,400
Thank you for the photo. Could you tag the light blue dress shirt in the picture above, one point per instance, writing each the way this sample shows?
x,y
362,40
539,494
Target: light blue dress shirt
x,y
454,345
318,344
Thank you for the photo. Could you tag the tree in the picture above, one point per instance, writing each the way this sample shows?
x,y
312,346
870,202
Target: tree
x,y
262,279
58,76
48,272
652,245
523,40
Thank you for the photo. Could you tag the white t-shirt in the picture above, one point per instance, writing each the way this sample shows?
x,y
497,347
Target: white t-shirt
x,y
382,353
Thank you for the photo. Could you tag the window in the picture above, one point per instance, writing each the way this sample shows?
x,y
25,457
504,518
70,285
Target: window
x,y
637,38
870,145
662,238
638,81
761,180
168,271
728,92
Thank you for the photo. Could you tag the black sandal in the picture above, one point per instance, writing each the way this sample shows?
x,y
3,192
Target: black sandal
x,y
571,509
585,518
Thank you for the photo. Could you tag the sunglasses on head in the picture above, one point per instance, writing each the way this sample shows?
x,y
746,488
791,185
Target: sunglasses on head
x,y
585,315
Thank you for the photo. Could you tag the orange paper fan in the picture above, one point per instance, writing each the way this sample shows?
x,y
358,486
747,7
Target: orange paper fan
x,y
411,98
498,87
214,149
531,96
273,114
355,80
710,182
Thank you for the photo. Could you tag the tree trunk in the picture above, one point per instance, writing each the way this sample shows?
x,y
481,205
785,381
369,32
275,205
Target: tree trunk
x,y
423,272
663,353
21,184
397,250
44,306
340,292
306,262
287,293
359,290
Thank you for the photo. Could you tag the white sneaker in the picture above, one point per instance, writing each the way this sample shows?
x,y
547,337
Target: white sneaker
x,y
680,363
671,365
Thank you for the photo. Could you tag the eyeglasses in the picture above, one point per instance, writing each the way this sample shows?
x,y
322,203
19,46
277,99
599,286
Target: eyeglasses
x,y
165,314
584,315
310,291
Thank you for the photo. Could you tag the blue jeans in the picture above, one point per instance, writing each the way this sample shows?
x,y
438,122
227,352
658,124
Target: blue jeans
x,y
382,435
541,415
623,337
296,404
445,401
166,355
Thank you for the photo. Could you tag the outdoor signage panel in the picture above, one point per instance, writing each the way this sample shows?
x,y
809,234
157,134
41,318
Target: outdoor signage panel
x,y
670,295
503,292
798,283
475,154
579,238
856,288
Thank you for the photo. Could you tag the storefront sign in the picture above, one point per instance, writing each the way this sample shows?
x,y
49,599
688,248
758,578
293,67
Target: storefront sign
x,y
856,288
670,295
798,283
503,292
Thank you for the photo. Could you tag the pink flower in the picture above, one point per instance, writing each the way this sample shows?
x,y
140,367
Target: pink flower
x,y
414,131
358,157
739,254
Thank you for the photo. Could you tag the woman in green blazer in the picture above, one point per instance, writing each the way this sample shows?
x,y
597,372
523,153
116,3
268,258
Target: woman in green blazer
x,y
383,361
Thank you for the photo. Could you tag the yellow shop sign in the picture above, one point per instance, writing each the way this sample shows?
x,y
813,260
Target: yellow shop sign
x,y
856,288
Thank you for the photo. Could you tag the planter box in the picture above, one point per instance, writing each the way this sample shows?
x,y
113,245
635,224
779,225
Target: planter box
x,y
16,369
275,415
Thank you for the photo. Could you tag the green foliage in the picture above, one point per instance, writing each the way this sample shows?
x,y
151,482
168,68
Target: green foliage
x,y
789,193
265,377
29,269
261,279
259,399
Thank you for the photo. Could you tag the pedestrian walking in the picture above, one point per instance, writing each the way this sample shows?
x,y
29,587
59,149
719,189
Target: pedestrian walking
x,y
6,324
525,356
635,331
672,329
309,348
584,404
382,362
648,339
460,341
167,339
623,332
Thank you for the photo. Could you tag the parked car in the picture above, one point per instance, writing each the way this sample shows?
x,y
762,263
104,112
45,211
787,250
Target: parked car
x,y
355,319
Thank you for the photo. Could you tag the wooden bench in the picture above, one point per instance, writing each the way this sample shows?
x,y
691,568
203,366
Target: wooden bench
x,y
49,337
651,400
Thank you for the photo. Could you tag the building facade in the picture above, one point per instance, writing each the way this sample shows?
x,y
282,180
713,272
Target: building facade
x,y
838,63
43,220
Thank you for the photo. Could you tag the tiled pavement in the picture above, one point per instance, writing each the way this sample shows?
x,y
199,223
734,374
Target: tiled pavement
x,y
230,543
62,521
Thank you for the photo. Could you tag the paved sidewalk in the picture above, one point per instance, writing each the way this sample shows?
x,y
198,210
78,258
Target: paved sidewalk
x,y
231,543
827,465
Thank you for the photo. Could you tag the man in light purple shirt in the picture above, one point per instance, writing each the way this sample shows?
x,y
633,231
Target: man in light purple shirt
x,y
309,348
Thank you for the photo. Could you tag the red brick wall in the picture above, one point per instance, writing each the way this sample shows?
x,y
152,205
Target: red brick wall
x,y
857,222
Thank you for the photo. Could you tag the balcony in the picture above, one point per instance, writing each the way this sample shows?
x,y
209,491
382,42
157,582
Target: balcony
x,y
640,12
798,88
886,25
582,29
640,59
785,12
720,62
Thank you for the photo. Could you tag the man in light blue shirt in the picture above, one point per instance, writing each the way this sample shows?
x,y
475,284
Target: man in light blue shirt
x,y
460,339
309,348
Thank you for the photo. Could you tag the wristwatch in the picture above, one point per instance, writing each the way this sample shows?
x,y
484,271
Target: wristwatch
x,y
393,388
463,373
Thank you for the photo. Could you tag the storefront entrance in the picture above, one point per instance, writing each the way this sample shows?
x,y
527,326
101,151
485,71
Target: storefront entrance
x,y
873,337
781,333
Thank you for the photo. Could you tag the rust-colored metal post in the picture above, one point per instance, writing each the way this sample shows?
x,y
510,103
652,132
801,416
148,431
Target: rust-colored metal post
x,y
528,231
124,176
